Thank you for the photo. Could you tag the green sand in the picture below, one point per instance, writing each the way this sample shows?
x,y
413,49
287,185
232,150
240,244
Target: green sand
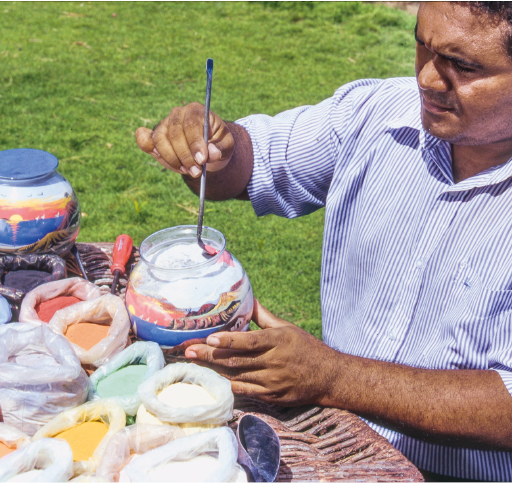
x,y
123,382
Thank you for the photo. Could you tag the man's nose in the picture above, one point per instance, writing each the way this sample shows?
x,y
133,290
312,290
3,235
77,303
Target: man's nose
x,y
430,77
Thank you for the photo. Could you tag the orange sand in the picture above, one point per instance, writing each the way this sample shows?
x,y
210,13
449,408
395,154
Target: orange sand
x,y
84,438
4,450
86,335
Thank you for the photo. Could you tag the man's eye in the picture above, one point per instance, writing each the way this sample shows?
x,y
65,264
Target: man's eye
x,y
462,68
418,41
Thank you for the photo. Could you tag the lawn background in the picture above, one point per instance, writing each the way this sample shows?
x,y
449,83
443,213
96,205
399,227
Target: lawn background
x,y
77,79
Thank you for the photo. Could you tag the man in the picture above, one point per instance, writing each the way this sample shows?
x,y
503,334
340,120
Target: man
x,y
417,258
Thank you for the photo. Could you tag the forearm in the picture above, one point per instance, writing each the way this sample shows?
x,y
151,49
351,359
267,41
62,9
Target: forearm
x,y
461,407
283,364
232,181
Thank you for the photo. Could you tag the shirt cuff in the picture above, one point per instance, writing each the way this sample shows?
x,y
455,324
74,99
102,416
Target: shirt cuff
x,y
260,187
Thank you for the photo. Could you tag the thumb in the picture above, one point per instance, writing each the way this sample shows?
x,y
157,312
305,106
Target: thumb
x,y
265,319
144,139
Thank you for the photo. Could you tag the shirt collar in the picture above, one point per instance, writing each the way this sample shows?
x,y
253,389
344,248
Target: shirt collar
x,y
440,151
412,120
489,177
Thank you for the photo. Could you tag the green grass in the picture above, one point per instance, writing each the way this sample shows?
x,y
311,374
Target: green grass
x,y
77,79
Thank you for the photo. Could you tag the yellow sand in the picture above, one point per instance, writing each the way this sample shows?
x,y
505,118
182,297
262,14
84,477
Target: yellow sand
x,y
84,438
5,450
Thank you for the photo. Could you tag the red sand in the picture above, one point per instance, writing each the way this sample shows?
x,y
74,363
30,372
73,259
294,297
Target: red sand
x,y
45,310
86,335
4,450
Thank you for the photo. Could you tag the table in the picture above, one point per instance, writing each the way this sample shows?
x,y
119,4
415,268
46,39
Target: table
x,y
317,443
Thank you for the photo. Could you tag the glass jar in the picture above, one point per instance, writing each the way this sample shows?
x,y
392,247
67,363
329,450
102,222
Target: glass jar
x,y
178,292
39,211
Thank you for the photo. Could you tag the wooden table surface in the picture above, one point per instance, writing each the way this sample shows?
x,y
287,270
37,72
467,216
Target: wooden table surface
x,y
317,444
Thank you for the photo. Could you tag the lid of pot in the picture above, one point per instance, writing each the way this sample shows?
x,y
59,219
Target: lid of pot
x,y
26,163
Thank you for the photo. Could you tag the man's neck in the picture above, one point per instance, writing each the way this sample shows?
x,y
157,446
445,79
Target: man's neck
x,y
468,161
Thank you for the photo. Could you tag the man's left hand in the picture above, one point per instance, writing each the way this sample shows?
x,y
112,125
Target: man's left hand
x,y
281,364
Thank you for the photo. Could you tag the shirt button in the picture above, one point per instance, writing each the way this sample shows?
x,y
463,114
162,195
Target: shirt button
x,y
419,263
391,334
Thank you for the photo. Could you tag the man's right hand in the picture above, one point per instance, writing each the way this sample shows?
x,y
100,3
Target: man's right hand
x,y
177,142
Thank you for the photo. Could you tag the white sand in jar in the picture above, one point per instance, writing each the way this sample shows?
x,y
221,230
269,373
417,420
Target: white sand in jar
x,y
180,395
195,469
187,288
180,255
27,476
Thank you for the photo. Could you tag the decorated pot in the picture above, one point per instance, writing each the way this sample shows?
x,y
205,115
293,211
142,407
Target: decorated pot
x,y
39,211
178,292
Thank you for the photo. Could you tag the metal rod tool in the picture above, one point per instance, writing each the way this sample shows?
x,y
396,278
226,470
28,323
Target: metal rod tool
x,y
206,131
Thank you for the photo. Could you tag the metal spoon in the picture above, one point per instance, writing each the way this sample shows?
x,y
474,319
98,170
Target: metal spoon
x,y
209,71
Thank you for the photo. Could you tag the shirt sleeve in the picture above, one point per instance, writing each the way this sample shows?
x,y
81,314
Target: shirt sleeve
x,y
296,152
500,353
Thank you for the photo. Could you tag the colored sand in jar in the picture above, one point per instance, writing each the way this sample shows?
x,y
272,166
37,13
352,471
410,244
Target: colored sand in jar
x,y
4,449
123,382
25,477
84,438
86,335
45,310
180,255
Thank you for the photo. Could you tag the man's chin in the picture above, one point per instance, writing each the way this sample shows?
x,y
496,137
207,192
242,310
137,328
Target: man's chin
x,y
442,125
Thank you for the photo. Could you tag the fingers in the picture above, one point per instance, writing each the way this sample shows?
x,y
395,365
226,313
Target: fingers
x,y
193,131
266,319
254,341
177,142
227,358
221,144
144,139
186,136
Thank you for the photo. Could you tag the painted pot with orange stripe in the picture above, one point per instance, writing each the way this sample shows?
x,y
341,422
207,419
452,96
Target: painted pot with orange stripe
x,y
39,211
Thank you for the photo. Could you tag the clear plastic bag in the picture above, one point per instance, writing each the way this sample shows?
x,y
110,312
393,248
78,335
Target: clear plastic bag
x,y
105,310
137,439
12,437
211,414
148,353
76,287
104,410
220,443
40,376
5,311
52,456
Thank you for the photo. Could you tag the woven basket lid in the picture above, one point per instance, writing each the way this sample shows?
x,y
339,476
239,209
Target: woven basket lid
x,y
19,164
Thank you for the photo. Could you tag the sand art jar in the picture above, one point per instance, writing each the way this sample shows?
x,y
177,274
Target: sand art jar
x,y
39,211
178,292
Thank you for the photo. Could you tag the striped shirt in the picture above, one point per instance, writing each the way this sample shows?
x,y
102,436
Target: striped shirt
x,y
416,269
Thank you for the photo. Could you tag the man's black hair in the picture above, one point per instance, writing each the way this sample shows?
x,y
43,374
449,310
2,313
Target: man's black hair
x,y
501,11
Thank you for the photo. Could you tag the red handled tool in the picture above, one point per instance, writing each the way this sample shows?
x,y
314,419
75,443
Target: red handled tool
x,y
122,251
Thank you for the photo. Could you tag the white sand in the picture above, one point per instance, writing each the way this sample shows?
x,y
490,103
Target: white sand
x,y
195,469
180,395
27,476
180,255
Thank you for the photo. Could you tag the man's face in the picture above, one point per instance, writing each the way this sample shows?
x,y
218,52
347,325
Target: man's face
x,y
464,75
